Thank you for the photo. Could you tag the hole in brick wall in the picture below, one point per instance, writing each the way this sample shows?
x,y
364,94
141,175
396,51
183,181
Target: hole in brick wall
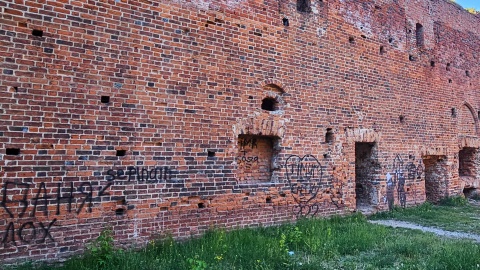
x,y
150,84
325,155
432,63
411,57
254,158
449,80
351,40
367,168
37,33
250,97
470,192
283,195
268,200
448,67
304,6
14,89
12,151
210,153
201,205
285,22
269,104
454,112
390,40
378,7
105,99
329,137
419,35
401,118
363,36
120,212
478,114
121,153
382,50
467,73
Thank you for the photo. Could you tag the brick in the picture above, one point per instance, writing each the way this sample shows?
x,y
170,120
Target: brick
x,y
237,124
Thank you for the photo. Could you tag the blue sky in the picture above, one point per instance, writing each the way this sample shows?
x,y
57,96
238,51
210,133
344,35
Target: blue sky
x,y
469,3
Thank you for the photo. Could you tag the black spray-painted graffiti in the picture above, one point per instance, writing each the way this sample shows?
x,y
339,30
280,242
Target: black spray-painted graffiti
x,y
304,175
153,175
401,173
17,204
244,160
28,232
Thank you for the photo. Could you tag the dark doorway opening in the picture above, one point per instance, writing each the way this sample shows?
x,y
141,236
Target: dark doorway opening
x,y
367,171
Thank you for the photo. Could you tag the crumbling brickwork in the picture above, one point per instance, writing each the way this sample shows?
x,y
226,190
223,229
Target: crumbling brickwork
x,y
172,117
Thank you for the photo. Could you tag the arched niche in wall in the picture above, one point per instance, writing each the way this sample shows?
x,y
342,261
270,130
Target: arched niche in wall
x,y
467,124
272,98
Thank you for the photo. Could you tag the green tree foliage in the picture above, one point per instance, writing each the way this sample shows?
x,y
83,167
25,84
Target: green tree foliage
x,y
471,10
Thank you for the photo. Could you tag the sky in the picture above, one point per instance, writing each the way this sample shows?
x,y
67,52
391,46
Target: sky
x,y
469,3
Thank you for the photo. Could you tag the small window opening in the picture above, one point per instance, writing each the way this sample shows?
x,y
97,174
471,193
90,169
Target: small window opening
x,y
105,99
268,200
448,67
432,63
329,136
401,118
382,50
120,212
411,57
201,205
449,80
121,153
210,153
269,104
390,40
351,40
12,151
304,6
285,22
37,33
454,112
467,73
419,35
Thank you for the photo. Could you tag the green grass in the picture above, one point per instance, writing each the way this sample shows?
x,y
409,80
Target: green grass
x,y
336,243
453,214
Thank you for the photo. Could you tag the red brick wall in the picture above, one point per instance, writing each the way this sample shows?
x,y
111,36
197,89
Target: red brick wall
x,y
128,114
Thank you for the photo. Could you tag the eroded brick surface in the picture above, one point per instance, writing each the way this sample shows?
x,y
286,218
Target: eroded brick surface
x,y
139,115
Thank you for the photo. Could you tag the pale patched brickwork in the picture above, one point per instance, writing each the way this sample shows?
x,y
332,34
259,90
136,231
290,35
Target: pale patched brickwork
x,y
172,117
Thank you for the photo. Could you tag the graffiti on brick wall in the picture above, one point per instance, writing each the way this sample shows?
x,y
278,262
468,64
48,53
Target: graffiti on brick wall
x,y
304,176
397,178
245,144
140,174
29,200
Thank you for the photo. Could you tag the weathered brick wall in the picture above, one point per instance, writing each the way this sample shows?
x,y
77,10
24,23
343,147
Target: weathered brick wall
x,y
172,117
